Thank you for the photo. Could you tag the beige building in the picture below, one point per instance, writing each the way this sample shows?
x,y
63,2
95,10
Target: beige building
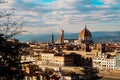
x,y
63,60
27,58
47,58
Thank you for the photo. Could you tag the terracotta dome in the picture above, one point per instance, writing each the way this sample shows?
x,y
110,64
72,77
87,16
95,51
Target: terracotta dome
x,y
85,34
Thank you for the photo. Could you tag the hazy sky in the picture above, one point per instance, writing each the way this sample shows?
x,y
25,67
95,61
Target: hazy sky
x,y
47,16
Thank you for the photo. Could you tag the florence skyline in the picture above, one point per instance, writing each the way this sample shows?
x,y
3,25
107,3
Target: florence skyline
x,y
47,16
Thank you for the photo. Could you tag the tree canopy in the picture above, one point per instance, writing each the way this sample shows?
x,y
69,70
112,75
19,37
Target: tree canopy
x,y
10,67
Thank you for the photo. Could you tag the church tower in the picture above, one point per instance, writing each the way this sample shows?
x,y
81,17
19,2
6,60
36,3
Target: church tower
x,y
52,38
100,48
60,39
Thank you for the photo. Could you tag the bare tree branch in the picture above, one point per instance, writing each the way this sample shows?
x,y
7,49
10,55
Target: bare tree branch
x,y
10,27
3,1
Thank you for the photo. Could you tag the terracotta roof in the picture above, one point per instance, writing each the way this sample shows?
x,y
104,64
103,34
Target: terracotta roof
x,y
85,33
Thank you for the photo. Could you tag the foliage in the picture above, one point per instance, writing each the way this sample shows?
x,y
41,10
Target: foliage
x,y
9,51
90,73
9,59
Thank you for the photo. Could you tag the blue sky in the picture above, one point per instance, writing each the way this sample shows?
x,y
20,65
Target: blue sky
x,y
50,16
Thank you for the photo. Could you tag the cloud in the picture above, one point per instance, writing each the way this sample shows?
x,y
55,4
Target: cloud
x,y
40,30
7,5
64,14
111,1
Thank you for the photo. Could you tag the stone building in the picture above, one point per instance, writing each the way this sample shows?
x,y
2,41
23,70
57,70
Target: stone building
x,y
63,60
60,39
118,61
47,58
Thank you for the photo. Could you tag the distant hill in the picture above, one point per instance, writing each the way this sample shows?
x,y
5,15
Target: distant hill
x,y
106,36
97,37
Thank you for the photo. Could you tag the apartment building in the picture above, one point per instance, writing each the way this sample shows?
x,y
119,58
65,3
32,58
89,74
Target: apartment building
x,y
63,60
105,62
